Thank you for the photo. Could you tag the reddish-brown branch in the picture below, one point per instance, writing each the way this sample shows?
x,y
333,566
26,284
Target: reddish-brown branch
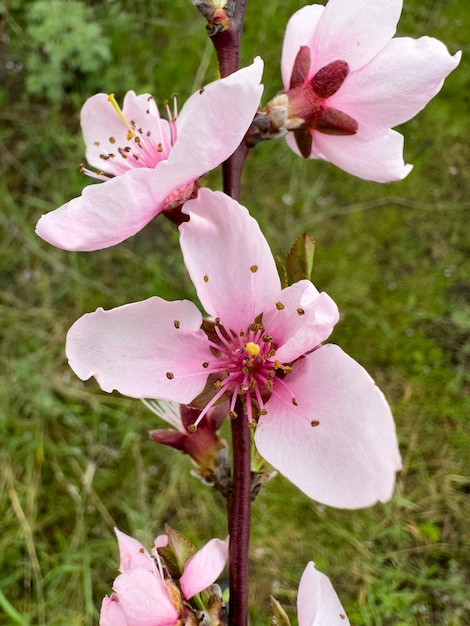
x,y
239,519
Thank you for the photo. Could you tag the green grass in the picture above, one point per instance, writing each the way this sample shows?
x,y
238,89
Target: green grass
x,y
75,461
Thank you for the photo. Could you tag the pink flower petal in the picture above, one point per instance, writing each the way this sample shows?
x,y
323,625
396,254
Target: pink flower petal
x,y
299,32
228,259
317,601
111,612
104,130
306,319
144,599
353,31
211,125
161,541
338,444
104,215
396,85
204,567
379,160
139,350
132,553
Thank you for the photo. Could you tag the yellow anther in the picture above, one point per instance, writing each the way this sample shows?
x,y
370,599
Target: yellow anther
x,y
117,108
252,348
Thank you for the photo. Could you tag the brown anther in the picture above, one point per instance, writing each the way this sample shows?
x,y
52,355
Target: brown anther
x,y
201,91
263,412
148,133
253,327
246,370
170,375
314,423
272,373
242,334
165,103
206,278
159,148
205,365
217,321
267,339
232,415
96,143
253,384
192,428
176,323
142,550
112,140
254,269
269,384
294,402
300,311
279,306
271,353
137,140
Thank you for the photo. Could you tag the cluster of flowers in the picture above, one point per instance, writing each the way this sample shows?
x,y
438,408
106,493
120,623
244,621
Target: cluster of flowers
x,y
174,584
318,417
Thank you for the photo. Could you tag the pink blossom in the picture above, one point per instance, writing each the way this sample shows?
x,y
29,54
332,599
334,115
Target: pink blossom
x,y
143,596
320,420
348,83
148,164
317,601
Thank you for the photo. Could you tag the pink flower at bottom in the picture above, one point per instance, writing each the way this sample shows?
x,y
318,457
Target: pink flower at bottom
x,y
320,419
317,601
348,82
147,164
142,597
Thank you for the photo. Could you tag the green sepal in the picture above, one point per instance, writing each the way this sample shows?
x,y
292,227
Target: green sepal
x,y
182,548
277,614
299,260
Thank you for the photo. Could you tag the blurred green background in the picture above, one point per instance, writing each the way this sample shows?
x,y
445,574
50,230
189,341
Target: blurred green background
x,y
74,461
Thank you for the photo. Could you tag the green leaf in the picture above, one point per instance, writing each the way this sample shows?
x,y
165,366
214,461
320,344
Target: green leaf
x,y
299,260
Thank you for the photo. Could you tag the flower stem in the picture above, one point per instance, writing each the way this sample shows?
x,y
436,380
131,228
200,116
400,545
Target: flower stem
x,y
227,46
239,518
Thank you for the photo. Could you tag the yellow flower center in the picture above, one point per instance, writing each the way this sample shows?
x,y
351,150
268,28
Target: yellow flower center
x,y
252,348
